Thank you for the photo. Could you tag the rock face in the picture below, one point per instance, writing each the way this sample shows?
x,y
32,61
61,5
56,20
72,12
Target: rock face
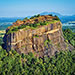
x,y
45,40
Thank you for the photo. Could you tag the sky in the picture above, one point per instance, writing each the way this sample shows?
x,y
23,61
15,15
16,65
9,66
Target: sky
x,y
21,8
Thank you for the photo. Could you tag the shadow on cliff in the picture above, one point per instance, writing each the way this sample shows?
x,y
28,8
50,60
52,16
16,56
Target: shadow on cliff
x,y
4,42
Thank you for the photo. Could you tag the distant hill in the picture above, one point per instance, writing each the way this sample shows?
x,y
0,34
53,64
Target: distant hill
x,y
65,19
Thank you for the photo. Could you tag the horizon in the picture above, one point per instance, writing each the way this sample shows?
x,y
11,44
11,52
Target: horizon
x,y
32,15
18,8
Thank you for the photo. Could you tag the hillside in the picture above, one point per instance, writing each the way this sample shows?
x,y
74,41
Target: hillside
x,y
41,35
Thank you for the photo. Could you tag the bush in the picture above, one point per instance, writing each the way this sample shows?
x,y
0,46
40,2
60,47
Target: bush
x,y
57,18
35,16
38,15
22,55
37,24
50,15
15,29
32,17
22,26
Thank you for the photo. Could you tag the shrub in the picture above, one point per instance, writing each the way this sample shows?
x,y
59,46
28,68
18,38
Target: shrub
x,y
32,17
25,19
35,16
38,15
22,26
50,15
22,55
37,24
57,18
15,29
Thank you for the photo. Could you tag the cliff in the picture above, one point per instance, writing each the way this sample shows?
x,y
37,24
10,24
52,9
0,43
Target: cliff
x,y
41,40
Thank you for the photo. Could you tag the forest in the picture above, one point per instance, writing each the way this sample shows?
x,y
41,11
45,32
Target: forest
x,y
13,63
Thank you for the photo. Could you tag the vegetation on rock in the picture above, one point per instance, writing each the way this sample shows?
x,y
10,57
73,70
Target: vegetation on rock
x,y
47,42
35,16
33,22
30,26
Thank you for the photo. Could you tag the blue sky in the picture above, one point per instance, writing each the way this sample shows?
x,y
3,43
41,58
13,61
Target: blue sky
x,y
14,8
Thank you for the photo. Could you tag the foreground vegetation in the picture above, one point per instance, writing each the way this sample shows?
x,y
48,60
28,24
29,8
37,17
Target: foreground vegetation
x,y
69,36
13,63
62,63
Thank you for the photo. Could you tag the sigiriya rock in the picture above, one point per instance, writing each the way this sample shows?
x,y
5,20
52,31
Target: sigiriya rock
x,y
41,35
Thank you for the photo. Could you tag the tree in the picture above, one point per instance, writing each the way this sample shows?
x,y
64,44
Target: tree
x,y
38,15
50,15
23,55
69,35
25,19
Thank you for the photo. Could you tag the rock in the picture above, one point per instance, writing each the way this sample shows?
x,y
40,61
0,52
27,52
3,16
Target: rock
x,y
45,40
